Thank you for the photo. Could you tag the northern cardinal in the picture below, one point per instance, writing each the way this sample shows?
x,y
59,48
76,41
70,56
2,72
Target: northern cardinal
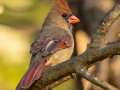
x,y
54,37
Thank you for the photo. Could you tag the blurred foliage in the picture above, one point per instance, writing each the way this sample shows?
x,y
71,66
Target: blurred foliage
x,y
14,46
23,12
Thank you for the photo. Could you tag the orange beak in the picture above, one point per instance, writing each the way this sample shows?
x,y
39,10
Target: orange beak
x,y
73,20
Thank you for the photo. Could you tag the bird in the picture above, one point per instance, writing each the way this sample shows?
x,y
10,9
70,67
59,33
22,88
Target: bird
x,y
54,39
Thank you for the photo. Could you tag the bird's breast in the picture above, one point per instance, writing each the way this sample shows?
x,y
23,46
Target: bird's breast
x,y
60,56
64,54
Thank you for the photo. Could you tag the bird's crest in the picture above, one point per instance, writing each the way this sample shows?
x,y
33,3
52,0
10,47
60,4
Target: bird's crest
x,y
62,6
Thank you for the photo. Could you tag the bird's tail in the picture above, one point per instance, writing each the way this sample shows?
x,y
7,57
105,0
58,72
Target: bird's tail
x,y
33,74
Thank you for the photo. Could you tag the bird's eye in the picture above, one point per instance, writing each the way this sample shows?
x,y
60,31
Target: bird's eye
x,y
64,15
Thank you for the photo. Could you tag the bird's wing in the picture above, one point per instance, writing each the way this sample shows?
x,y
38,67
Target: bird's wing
x,y
47,45
45,49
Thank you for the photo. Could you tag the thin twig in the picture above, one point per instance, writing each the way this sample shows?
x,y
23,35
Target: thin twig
x,y
53,85
104,85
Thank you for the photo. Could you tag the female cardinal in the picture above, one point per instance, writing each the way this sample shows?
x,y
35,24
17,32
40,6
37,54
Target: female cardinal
x,y
54,38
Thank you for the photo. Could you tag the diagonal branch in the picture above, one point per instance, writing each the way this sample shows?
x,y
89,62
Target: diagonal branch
x,y
59,71
104,85
106,23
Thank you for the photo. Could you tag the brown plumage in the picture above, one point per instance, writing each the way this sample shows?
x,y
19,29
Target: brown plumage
x,y
62,7
54,43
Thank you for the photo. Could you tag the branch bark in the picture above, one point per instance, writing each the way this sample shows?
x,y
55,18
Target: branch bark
x,y
104,85
106,23
59,71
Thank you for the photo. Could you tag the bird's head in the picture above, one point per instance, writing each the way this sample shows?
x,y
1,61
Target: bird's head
x,y
64,10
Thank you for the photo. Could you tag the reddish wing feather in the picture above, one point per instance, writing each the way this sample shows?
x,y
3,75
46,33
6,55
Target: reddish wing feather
x,y
34,73
36,70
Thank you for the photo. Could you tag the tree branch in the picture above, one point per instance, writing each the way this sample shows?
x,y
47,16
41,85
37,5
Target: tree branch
x,y
59,82
104,85
59,71
106,23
